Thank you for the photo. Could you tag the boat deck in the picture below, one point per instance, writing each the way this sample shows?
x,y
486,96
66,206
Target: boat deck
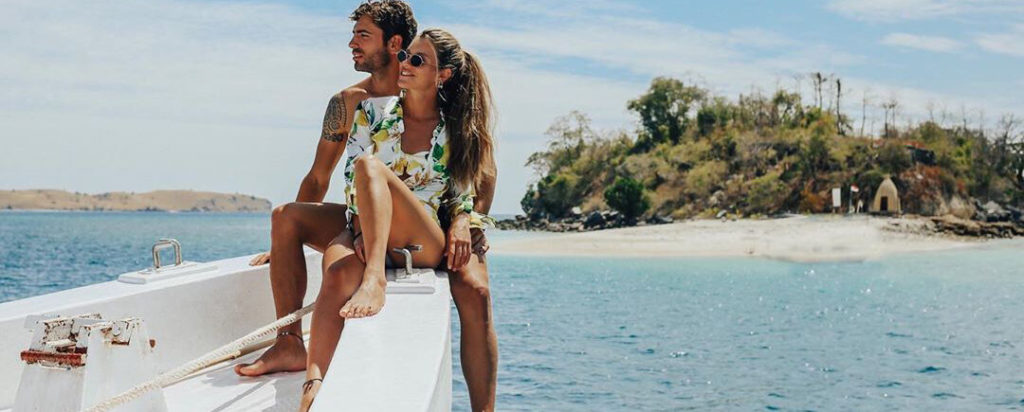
x,y
220,389
399,359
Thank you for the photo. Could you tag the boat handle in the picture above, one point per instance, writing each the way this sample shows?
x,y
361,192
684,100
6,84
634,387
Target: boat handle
x,y
164,244
407,252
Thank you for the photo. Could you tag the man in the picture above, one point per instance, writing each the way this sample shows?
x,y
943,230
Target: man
x,y
381,29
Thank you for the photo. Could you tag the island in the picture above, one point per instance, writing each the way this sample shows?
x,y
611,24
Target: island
x,y
155,201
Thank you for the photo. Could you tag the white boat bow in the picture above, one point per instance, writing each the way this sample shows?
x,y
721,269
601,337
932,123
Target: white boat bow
x,y
398,360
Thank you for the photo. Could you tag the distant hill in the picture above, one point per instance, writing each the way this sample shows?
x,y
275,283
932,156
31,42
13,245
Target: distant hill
x,y
160,200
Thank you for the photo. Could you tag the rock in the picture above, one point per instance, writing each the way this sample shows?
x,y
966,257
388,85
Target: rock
x,y
576,211
594,219
995,213
977,204
555,227
659,220
952,224
716,198
960,208
1015,213
721,214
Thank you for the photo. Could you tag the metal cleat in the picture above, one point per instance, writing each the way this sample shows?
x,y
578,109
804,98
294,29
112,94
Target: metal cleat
x,y
410,279
75,362
407,275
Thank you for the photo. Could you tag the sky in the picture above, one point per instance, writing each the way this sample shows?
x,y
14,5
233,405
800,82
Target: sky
x,y
229,96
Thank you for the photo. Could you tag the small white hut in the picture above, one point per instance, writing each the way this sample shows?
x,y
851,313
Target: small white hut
x,y
887,199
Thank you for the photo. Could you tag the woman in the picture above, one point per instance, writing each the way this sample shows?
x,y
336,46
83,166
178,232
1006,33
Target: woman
x,y
408,158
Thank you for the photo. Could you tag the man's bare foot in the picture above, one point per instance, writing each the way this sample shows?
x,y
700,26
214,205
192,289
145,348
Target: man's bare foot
x,y
287,355
309,390
367,301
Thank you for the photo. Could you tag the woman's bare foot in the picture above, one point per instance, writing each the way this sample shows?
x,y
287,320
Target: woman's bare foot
x,y
287,355
367,301
309,391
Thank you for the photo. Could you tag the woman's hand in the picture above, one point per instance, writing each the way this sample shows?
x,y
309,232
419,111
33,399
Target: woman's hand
x,y
460,243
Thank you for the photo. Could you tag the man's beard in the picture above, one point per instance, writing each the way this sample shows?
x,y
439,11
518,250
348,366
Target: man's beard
x,y
373,63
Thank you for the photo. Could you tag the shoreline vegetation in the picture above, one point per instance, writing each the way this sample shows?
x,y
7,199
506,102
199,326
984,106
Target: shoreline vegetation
x,y
155,201
700,158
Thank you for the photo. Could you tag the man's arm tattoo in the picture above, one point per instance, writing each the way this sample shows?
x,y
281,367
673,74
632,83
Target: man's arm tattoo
x,y
334,121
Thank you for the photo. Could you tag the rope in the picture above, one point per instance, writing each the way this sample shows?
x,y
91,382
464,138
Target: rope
x,y
228,351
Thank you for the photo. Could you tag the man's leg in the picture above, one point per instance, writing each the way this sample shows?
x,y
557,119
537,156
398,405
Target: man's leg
x,y
479,344
293,225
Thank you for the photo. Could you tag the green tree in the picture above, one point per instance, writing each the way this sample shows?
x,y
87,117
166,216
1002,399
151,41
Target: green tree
x,y
558,193
663,111
568,136
627,196
530,204
893,158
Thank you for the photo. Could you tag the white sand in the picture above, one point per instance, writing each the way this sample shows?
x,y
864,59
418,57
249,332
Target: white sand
x,y
797,238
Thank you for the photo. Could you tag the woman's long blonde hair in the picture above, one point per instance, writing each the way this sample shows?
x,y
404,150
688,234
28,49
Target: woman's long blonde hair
x,y
465,100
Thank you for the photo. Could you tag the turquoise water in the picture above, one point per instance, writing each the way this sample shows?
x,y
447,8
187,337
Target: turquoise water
x,y
939,331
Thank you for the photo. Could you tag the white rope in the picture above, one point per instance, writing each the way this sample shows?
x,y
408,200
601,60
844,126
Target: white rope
x,y
230,350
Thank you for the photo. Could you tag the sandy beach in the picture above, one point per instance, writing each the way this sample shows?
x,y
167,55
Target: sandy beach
x,y
796,238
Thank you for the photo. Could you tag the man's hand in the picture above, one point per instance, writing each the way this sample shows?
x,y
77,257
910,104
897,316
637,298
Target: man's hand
x,y
260,259
460,243
357,244
480,245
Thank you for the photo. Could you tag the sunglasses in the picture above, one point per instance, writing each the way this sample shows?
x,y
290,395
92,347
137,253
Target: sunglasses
x,y
415,60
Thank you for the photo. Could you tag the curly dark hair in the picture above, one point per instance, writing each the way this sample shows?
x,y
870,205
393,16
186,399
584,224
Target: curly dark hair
x,y
392,16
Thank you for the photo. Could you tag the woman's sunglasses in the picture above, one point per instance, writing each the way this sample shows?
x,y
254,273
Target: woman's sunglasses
x,y
415,60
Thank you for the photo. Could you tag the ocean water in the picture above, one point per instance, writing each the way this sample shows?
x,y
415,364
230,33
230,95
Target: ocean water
x,y
934,331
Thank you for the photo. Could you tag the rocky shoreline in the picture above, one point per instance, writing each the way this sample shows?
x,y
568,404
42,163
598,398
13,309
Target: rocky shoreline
x,y
990,220
577,221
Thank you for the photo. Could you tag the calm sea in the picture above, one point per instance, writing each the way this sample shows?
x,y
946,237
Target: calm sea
x,y
937,331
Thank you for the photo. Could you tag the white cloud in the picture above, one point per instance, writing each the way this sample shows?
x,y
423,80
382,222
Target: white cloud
x,y
551,9
728,62
898,10
1009,43
929,43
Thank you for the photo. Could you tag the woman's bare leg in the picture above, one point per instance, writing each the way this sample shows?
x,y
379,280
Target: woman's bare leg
x,y
345,276
390,216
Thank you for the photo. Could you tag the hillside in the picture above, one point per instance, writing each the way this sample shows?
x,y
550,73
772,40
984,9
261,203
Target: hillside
x,y
698,155
160,200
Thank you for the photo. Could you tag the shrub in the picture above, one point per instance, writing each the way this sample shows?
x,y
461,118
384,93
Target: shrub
x,y
893,158
706,177
627,196
810,201
766,193
557,194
